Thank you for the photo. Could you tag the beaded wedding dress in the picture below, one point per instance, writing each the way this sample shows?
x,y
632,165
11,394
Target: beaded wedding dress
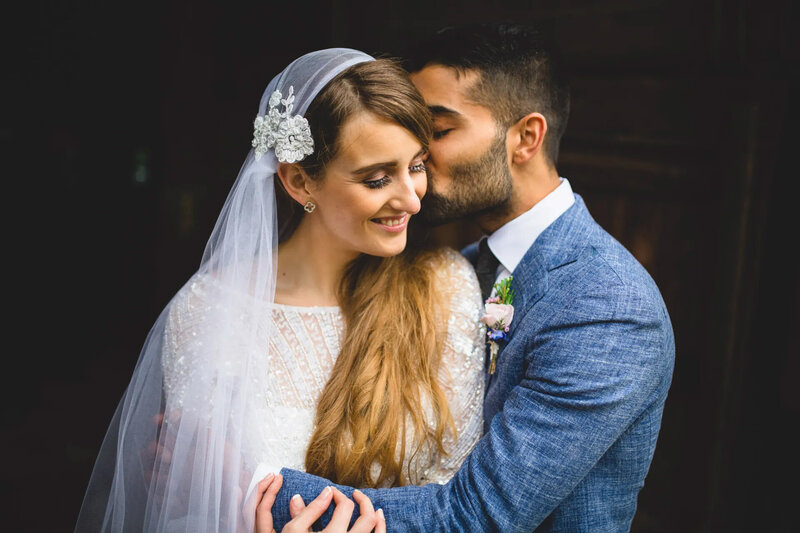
x,y
296,350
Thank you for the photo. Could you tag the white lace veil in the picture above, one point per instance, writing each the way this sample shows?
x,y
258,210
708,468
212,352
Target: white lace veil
x,y
199,484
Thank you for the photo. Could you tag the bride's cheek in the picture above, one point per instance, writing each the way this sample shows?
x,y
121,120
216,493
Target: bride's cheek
x,y
421,186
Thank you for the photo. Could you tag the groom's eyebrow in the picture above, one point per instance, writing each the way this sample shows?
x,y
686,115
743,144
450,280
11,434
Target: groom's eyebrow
x,y
442,110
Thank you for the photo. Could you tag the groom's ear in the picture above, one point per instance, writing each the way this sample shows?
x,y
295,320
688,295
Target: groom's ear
x,y
528,137
295,181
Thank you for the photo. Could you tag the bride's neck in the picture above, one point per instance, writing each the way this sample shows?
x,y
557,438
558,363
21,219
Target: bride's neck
x,y
310,267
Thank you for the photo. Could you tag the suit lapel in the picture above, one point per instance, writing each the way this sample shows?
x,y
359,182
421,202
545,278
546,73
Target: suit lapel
x,y
558,245
529,285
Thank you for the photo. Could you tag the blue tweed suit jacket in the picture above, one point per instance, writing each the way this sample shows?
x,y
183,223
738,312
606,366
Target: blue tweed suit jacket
x,y
573,411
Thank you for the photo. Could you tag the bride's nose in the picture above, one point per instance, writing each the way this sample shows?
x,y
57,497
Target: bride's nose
x,y
405,197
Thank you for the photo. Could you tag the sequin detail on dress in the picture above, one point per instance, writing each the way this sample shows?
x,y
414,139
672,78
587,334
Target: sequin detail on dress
x,y
299,347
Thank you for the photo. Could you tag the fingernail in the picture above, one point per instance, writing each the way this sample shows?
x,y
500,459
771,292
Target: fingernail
x,y
379,512
296,498
326,491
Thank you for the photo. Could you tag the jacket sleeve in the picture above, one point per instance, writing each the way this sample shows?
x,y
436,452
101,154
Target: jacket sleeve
x,y
589,375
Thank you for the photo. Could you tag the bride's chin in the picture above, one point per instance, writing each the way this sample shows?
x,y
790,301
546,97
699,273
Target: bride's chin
x,y
389,250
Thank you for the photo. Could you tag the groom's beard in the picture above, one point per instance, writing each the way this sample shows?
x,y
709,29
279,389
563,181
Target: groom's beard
x,y
478,186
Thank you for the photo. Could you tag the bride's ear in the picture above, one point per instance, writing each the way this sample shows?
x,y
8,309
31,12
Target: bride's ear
x,y
295,181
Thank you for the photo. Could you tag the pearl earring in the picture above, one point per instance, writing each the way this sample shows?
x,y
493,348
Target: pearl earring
x,y
309,207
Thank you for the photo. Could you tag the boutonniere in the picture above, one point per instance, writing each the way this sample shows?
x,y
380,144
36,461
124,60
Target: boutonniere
x,y
499,313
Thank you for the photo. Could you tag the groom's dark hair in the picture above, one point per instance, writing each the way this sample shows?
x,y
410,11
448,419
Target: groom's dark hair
x,y
520,72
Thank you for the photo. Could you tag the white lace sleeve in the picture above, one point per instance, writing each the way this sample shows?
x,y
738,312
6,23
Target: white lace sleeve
x,y
188,356
183,357
185,311
462,365
197,372
192,359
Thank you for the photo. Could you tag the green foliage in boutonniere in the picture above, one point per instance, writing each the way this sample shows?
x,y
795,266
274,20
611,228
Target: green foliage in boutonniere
x,y
503,290
499,313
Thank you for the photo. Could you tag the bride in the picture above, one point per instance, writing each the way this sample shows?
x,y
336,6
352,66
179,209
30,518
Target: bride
x,y
333,341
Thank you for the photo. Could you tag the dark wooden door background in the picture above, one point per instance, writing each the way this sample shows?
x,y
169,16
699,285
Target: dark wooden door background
x,y
130,123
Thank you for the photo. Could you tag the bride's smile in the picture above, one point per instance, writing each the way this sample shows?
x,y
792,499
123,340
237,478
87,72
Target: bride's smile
x,y
393,224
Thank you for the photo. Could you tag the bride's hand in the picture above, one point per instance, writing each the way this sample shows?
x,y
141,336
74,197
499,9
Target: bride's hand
x,y
303,517
266,490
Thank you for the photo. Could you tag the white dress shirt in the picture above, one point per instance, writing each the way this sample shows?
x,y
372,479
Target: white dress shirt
x,y
510,243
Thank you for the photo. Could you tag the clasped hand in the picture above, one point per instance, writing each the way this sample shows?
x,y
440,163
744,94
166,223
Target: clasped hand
x,y
303,516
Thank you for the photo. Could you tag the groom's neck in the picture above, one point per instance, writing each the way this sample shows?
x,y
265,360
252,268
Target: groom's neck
x,y
530,186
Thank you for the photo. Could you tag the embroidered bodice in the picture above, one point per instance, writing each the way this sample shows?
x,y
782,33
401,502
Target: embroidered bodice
x,y
298,348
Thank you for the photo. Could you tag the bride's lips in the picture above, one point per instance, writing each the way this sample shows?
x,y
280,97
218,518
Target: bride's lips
x,y
391,224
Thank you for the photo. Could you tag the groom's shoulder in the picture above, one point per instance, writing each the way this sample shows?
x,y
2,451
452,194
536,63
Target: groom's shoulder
x,y
613,269
584,260
616,257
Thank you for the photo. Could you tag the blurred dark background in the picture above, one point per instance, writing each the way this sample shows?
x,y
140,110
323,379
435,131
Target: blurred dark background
x,y
124,125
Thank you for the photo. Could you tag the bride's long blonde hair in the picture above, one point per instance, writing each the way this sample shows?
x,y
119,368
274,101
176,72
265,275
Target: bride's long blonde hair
x,y
385,379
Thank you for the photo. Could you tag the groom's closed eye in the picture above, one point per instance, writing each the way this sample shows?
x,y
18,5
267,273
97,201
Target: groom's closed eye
x,y
444,120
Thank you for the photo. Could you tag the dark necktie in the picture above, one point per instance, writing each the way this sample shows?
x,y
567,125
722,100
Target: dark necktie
x,y
486,268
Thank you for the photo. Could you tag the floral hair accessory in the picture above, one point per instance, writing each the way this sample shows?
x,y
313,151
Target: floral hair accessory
x,y
288,134
499,314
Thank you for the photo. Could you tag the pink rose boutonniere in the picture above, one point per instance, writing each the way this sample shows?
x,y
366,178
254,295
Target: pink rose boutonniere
x,y
499,313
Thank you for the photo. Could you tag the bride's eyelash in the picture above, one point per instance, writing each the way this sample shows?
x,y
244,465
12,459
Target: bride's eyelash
x,y
384,180
378,183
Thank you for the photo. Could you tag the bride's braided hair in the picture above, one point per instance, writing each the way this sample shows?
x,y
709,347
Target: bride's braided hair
x,y
385,379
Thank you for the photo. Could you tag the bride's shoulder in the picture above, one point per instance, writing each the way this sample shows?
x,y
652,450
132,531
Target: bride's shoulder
x,y
205,290
193,295
202,299
457,275
461,293
450,263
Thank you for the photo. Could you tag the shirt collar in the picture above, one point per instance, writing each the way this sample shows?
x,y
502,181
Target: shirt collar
x,y
510,243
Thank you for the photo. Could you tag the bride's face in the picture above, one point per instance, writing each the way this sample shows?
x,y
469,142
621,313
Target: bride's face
x,y
372,187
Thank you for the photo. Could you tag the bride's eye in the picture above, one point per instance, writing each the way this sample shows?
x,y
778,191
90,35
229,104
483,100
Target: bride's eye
x,y
418,163
377,183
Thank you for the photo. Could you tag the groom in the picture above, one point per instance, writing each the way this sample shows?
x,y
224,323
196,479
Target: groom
x,y
573,410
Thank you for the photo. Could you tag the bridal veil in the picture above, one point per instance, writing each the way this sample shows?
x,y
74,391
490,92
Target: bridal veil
x,y
200,482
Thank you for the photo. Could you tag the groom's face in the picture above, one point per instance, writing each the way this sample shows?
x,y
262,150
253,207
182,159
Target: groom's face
x,y
468,166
